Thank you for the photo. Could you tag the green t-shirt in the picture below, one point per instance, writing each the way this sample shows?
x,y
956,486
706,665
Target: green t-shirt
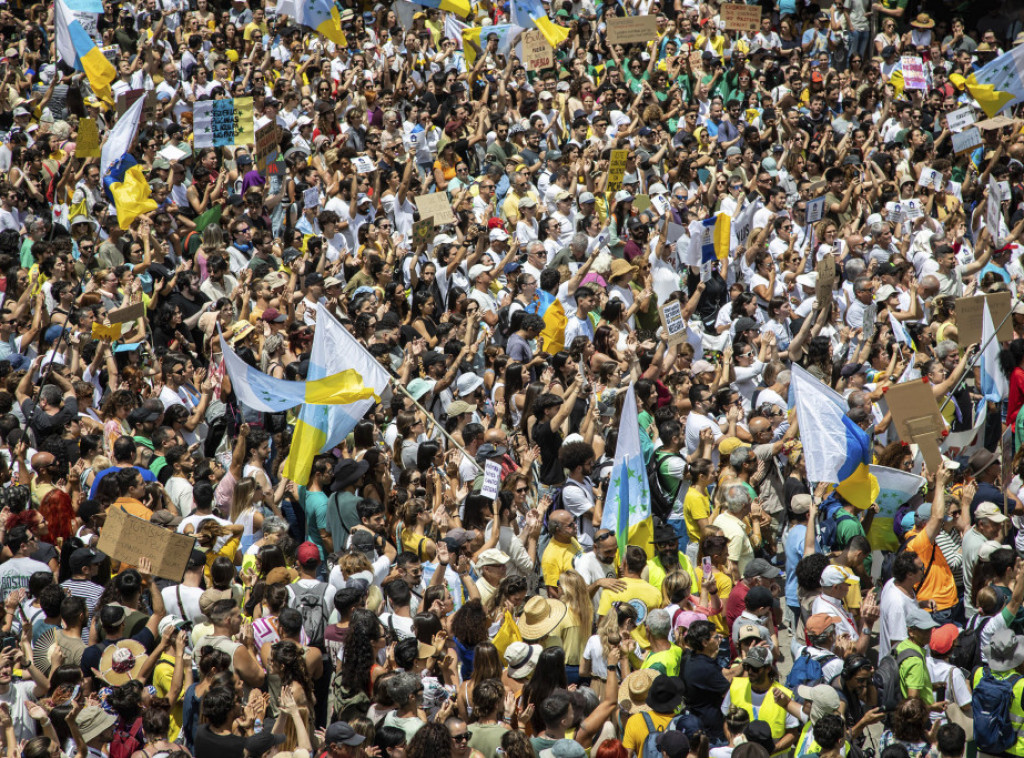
x,y
314,504
914,673
847,527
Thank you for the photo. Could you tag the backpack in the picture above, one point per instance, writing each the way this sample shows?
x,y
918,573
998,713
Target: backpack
x,y
345,705
309,601
685,722
990,705
503,329
127,742
828,527
887,679
663,496
966,652
808,670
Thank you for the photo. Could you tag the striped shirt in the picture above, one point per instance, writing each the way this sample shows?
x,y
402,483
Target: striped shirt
x,y
88,591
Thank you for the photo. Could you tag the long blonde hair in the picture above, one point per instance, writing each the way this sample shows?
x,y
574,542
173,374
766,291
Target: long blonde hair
x,y
575,595
242,497
608,628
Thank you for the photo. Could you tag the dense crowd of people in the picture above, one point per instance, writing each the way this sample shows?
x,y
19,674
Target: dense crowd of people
x,y
643,223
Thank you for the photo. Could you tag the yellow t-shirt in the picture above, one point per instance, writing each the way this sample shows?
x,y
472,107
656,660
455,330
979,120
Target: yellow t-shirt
x,y
556,559
636,729
724,583
696,506
162,676
740,549
638,593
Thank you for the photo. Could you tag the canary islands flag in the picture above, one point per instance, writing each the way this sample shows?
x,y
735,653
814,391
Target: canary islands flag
x,y
999,83
320,427
320,15
131,196
479,35
458,7
895,487
262,392
835,448
88,57
627,510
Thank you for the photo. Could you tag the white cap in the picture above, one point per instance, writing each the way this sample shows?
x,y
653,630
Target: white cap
x,y
476,270
497,235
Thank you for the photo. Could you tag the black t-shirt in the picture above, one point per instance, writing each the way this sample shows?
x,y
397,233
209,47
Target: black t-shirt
x,y
550,443
705,690
189,308
210,745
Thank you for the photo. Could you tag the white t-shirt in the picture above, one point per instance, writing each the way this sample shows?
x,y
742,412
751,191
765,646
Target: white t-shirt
x,y
943,672
18,697
189,598
15,573
179,490
894,605
594,653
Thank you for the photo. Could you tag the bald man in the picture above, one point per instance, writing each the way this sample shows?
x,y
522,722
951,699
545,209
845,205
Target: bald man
x,y
43,464
767,479
561,551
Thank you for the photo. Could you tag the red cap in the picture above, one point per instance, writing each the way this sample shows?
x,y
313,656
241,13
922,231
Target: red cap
x,y
308,552
943,638
816,76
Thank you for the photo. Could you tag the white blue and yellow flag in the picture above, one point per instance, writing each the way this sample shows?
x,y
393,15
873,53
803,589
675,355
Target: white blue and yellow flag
x,y
895,487
627,510
320,427
835,449
262,392
320,15
74,41
458,7
999,83
478,35
994,385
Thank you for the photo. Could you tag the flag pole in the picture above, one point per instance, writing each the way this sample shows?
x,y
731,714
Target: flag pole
x,y
974,360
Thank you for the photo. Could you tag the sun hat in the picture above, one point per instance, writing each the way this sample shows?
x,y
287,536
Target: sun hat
x,y
468,384
823,699
458,407
419,387
564,748
522,658
211,596
121,662
923,21
94,721
665,694
347,472
634,688
980,461
1005,651
540,617
621,267
492,557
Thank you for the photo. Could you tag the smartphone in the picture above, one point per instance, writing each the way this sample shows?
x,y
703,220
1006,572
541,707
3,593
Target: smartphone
x,y
708,569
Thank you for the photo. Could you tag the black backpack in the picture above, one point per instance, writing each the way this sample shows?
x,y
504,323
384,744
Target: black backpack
x,y
966,652
887,679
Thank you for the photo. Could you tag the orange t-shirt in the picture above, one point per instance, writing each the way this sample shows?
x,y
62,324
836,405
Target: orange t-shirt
x,y
938,584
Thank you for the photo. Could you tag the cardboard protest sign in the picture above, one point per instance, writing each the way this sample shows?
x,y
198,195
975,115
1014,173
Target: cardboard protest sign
x,y
968,317
996,122
88,143
913,72
266,149
915,415
672,321
739,17
627,30
127,538
641,203
537,53
960,119
126,99
437,207
815,210
422,231
617,168
967,140
825,283
127,313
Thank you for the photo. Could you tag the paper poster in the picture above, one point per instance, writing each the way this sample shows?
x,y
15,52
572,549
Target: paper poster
x,y
267,139
744,221
127,538
660,204
363,164
706,271
437,207
931,178
88,143
492,479
913,72
537,52
617,169
815,210
994,210
171,153
960,119
219,123
967,140
912,209
739,17
672,319
968,317
627,30
702,241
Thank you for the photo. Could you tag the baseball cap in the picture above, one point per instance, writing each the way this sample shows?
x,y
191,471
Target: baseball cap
x,y
340,733
943,638
748,631
918,618
308,552
273,316
991,512
85,556
833,576
819,624
758,657
761,567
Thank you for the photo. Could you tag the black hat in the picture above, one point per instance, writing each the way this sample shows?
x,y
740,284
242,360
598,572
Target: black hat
x,y
362,541
244,159
664,533
197,559
431,357
673,743
759,597
666,694
760,733
340,733
85,556
347,472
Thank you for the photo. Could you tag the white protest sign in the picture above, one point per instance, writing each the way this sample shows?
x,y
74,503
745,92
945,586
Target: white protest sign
x,y
363,164
967,140
994,210
660,204
896,213
705,271
960,119
674,232
311,197
815,210
912,209
930,178
492,479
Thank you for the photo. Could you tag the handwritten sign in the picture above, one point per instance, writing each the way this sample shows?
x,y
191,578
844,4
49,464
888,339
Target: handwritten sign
x,y
960,119
267,140
672,321
492,479
537,53
967,140
825,283
436,206
628,30
815,210
88,143
969,312
617,168
913,72
127,313
128,538
740,17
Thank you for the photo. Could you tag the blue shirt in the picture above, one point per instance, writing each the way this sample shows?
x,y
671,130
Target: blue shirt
x,y
794,548
147,476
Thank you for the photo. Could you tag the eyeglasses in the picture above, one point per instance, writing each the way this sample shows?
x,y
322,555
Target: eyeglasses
x,y
464,737
521,490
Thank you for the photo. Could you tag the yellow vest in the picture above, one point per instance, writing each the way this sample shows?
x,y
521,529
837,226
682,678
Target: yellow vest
x,y
656,573
770,712
1016,712
806,744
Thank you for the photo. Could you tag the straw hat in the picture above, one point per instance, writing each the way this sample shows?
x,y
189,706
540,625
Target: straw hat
x,y
633,690
540,616
121,662
923,21
621,267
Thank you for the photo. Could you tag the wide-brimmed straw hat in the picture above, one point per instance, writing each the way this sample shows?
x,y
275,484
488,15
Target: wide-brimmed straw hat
x,y
122,662
634,689
540,617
